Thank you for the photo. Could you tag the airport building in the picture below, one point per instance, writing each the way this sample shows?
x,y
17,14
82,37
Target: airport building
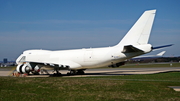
x,y
5,60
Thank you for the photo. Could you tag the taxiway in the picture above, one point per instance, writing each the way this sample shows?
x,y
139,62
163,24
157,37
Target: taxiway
x,y
101,71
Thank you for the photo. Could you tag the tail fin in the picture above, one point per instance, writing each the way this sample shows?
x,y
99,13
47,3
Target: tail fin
x,y
140,32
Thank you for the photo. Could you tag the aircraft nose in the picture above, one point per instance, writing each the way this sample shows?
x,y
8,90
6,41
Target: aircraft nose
x,y
19,58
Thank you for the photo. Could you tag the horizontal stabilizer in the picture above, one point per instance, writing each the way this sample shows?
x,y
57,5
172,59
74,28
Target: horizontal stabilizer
x,y
158,47
161,54
151,56
130,48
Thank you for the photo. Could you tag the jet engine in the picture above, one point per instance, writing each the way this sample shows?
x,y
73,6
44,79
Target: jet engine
x,y
23,68
27,68
36,68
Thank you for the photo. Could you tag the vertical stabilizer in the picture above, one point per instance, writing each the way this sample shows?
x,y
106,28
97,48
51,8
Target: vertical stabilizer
x,y
140,32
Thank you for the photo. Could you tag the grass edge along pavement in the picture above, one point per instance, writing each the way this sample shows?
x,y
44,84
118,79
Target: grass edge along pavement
x,y
106,88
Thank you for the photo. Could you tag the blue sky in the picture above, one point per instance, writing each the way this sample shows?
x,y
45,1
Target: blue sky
x,y
71,24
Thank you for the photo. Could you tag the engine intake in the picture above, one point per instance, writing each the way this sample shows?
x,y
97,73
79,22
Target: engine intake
x,y
23,68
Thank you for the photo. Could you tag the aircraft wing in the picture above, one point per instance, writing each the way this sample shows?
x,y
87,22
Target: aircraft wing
x,y
70,64
63,64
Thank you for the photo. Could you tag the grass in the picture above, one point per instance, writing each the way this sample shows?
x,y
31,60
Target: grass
x,y
105,88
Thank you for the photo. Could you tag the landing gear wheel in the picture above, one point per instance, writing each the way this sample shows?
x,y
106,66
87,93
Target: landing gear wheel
x,y
71,72
36,73
68,74
57,74
76,72
80,72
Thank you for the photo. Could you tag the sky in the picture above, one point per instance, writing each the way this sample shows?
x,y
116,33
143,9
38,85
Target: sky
x,y
73,24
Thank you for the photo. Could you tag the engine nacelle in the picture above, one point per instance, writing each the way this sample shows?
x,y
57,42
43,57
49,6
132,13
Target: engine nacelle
x,y
117,64
23,68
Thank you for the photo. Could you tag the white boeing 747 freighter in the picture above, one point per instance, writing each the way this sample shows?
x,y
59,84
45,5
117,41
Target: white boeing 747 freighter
x,y
134,43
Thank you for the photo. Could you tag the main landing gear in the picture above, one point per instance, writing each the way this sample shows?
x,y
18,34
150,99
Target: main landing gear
x,y
57,72
76,72
71,72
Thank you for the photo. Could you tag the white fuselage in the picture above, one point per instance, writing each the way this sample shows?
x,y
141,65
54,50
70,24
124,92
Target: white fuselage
x,y
79,58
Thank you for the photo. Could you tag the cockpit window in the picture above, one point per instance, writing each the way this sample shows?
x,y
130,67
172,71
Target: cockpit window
x,y
22,59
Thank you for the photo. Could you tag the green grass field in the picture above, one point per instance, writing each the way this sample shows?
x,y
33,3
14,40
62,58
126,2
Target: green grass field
x,y
153,87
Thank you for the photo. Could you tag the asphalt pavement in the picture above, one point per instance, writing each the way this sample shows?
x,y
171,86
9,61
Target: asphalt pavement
x,y
100,71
